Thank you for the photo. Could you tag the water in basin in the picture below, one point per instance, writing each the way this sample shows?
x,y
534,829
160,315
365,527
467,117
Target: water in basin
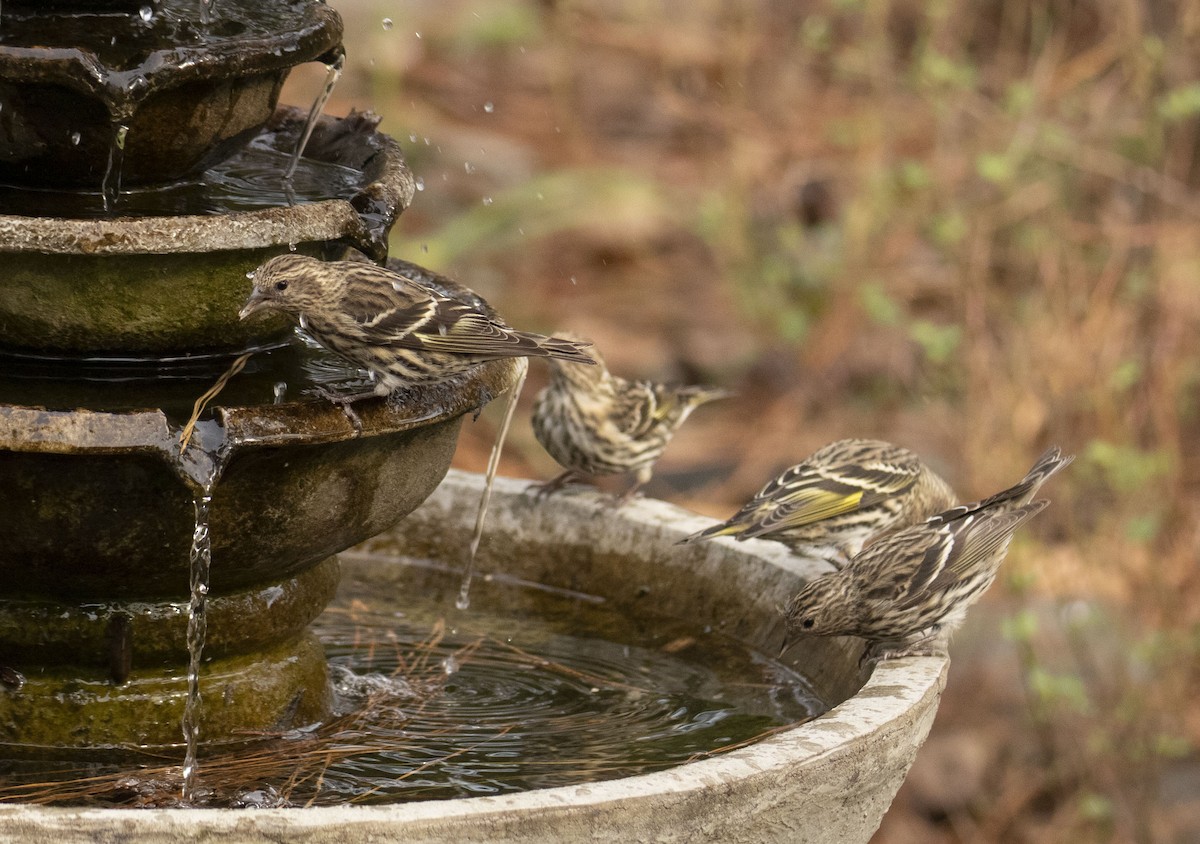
x,y
530,688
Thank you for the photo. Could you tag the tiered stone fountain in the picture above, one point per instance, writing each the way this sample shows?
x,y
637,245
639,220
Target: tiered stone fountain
x,y
148,148
113,319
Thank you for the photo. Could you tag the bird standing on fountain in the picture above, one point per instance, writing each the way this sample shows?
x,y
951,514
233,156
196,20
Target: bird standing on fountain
x,y
596,423
908,591
829,505
402,331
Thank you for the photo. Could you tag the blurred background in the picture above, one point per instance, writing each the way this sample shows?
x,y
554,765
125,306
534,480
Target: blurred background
x,y
970,228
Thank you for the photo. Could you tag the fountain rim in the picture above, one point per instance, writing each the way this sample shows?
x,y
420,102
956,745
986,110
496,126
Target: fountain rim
x,y
308,420
316,32
391,181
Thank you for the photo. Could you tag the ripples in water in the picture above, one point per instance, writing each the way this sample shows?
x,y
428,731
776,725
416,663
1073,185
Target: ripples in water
x,y
530,688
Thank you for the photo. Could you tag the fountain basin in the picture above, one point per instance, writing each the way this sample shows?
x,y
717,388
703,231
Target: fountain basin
x,y
173,283
188,94
829,780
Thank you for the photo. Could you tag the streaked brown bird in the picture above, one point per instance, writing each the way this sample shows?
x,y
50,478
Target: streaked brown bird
x,y
909,590
400,327
596,423
845,493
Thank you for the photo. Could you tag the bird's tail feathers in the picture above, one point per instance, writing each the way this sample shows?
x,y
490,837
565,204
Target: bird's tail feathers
x,y
722,529
560,348
1016,496
697,396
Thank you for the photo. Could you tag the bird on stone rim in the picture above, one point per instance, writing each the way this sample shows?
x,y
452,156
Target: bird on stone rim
x,y
831,503
909,590
595,423
402,331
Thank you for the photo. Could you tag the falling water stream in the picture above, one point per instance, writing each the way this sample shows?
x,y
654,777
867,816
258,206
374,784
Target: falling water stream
x,y
333,74
110,186
200,559
463,601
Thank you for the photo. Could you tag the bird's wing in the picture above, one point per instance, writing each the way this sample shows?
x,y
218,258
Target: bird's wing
x,y
384,308
979,540
810,492
390,309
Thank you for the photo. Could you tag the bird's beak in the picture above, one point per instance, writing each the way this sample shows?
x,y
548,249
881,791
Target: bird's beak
x,y
789,639
257,302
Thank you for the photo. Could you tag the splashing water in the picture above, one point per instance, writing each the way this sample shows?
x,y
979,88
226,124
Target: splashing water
x,y
331,79
464,592
206,11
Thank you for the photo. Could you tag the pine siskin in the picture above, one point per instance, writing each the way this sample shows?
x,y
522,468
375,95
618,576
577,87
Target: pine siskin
x,y
907,592
596,423
845,493
400,326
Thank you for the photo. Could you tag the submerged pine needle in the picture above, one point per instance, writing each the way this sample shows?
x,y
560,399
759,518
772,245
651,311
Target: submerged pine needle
x,y
211,393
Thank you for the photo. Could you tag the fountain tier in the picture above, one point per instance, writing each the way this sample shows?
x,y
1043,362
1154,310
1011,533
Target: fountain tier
x,y
174,283
90,97
94,548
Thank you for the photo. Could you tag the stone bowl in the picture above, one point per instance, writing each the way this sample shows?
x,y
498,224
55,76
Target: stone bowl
x,y
188,94
828,780
163,285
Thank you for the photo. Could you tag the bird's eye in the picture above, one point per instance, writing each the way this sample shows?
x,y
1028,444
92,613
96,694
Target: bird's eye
x,y
281,285
807,623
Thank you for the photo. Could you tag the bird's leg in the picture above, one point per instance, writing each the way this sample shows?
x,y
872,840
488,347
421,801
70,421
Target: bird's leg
x,y
931,643
344,401
624,498
484,398
839,557
639,480
556,483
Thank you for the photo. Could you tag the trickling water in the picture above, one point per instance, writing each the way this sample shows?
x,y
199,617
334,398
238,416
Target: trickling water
x,y
331,79
463,601
197,630
110,187
206,11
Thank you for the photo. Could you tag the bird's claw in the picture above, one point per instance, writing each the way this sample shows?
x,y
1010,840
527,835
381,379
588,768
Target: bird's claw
x,y
344,403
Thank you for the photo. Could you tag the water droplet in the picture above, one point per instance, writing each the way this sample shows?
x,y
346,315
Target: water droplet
x,y
462,602
450,665
122,131
469,167
250,275
280,390
540,195
489,107
424,247
412,139
387,23
417,34
420,182
572,279
146,13
487,200
291,247
75,138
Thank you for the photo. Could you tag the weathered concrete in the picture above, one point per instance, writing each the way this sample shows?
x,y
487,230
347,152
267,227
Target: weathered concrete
x,y
829,780
174,284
